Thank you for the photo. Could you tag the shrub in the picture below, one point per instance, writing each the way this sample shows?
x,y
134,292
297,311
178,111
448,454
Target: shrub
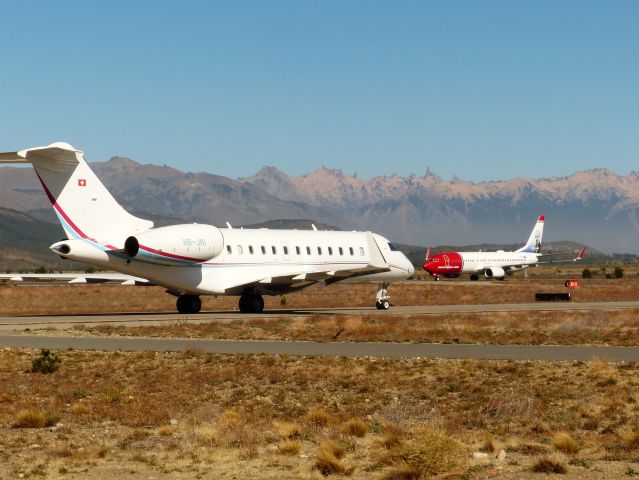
x,y
547,465
47,362
488,444
403,472
289,447
618,272
30,419
430,452
586,273
318,417
333,448
563,442
355,427
288,429
328,463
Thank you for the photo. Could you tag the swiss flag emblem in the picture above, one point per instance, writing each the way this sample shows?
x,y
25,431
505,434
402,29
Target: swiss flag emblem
x,y
82,182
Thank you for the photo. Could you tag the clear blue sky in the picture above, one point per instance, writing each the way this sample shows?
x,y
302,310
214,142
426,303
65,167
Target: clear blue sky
x,y
480,89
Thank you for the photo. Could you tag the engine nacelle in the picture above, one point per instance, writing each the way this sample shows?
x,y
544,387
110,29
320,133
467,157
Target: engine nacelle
x,y
495,272
80,250
176,244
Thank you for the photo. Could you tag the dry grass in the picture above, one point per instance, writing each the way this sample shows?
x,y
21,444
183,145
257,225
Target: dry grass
x,y
327,460
165,431
288,429
428,451
61,299
289,447
565,443
403,472
488,444
30,419
548,465
601,327
319,417
236,415
354,427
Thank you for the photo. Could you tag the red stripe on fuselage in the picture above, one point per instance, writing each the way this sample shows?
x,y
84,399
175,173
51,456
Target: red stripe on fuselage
x,y
169,255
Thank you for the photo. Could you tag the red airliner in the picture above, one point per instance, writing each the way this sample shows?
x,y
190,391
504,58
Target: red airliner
x,y
492,264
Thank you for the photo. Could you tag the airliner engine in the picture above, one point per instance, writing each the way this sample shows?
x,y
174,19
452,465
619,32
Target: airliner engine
x,y
495,272
176,243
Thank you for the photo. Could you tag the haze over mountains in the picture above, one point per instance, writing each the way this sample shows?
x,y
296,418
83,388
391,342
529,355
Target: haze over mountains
x,y
596,207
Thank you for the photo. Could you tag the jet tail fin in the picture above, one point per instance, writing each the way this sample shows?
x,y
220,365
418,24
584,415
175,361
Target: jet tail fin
x,y
533,245
83,205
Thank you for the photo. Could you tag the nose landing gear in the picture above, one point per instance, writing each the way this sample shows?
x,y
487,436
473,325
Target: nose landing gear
x,y
382,299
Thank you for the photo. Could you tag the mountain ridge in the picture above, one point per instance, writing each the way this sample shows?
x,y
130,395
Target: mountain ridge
x,y
596,207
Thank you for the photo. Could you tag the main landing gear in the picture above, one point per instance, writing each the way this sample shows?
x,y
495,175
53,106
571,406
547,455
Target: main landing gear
x,y
382,300
251,303
474,277
189,304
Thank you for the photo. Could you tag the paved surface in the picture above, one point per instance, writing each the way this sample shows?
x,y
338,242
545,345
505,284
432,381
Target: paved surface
x,y
370,349
137,319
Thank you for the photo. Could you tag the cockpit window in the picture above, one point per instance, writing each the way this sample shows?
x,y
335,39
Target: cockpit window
x,y
393,246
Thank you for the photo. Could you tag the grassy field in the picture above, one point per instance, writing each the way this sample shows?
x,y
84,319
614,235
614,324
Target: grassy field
x,y
71,299
534,328
195,415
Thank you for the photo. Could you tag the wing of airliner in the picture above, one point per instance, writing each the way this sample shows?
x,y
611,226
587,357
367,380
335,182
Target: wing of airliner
x,y
581,255
74,278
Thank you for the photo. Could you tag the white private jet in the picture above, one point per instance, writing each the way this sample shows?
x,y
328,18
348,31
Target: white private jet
x,y
193,259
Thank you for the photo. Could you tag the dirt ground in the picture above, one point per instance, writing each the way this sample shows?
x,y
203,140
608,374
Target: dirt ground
x,y
195,415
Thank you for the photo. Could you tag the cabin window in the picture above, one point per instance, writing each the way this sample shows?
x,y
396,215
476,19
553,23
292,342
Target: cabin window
x,y
330,250
297,250
341,251
263,250
350,250
251,249
319,250
274,250
308,250
240,250
285,250
361,251
229,249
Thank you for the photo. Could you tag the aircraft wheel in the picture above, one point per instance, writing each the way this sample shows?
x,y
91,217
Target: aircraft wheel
x,y
251,303
189,304
474,277
257,303
244,304
382,305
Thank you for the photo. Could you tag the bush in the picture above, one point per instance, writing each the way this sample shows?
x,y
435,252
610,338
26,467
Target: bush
x,y
547,465
430,452
563,442
355,427
586,273
47,362
618,272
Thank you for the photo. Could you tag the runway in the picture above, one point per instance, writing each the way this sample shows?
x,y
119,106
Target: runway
x,y
347,349
31,322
